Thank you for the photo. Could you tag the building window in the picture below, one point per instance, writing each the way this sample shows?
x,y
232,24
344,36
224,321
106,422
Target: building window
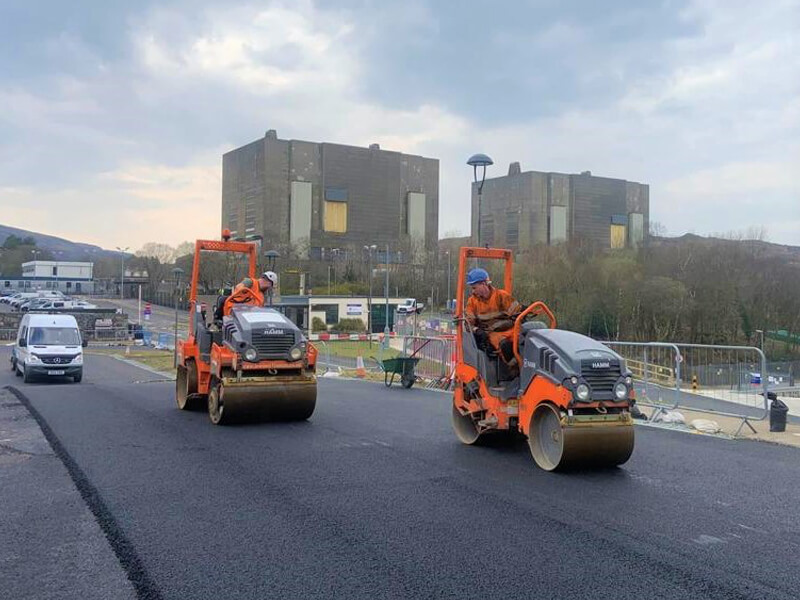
x,y
69,285
619,230
335,217
512,228
331,312
415,218
636,230
558,224
55,271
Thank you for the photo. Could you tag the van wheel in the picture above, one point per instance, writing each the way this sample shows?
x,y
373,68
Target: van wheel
x,y
77,378
26,377
13,364
16,369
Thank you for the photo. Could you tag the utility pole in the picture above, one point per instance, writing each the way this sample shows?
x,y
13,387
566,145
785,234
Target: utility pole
x,y
386,328
122,252
177,272
370,250
448,279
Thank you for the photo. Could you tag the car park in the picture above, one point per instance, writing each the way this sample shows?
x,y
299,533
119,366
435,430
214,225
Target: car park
x,y
48,345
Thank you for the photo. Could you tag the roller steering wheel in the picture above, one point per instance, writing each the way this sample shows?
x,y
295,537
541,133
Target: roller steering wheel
x,y
534,310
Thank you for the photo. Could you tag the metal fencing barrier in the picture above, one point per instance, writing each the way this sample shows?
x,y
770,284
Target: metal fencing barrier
x,y
335,354
721,380
433,356
656,369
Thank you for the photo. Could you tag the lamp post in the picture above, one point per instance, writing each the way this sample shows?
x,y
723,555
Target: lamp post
x,y
370,250
760,332
448,279
177,272
122,252
271,256
482,161
334,258
386,327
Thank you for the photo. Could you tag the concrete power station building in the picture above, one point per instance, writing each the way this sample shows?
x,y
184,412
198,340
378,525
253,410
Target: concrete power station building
x,y
315,196
522,209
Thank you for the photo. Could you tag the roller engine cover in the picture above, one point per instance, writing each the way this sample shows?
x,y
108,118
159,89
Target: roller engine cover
x,y
559,354
271,333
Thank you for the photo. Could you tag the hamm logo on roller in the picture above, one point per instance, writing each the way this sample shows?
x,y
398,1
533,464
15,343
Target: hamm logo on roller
x,y
601,365
274,332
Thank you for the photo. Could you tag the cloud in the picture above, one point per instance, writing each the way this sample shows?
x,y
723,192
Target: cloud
x,y
118,113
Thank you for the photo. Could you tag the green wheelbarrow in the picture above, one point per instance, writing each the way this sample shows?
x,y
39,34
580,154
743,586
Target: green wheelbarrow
x,y
402,366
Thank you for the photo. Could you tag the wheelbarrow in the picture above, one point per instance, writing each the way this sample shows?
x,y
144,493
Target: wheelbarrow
x,y
403,366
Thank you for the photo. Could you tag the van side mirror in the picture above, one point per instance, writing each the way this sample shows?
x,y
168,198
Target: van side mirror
x,y
22,343
84,342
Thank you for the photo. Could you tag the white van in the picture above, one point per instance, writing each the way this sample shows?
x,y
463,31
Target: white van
x,y
48,345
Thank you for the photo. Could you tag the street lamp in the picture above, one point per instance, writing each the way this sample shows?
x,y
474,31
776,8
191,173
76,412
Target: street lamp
x,y
334,258
386,327
448,279
760,332
122,271
177,272
370,250
483,161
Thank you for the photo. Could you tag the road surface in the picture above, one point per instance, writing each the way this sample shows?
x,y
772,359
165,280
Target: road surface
x,y
373,497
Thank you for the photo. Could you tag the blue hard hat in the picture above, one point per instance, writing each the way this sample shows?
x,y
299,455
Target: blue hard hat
x,y
476,276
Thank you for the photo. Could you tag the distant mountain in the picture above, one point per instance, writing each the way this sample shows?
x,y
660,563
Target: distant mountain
x,y
791,254
62,249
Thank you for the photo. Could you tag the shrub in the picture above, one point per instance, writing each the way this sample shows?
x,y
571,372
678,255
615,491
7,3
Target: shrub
x,y
318,325
351,326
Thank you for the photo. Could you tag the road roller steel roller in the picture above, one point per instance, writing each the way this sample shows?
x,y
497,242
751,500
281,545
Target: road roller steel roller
x,y
569,394
250,362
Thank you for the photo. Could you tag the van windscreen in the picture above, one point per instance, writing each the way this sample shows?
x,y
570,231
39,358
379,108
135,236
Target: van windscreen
x,y
54,336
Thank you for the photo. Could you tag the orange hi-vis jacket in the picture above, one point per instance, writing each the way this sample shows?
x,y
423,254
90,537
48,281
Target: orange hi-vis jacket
x,y
495,315
256,299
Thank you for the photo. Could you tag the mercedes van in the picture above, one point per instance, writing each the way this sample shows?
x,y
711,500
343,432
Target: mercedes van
x,y
48,346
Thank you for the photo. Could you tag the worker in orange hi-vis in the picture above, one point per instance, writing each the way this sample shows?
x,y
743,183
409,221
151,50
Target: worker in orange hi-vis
x,y
491,313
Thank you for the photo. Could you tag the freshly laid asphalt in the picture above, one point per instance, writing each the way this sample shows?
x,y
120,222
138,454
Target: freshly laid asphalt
x,y
373,497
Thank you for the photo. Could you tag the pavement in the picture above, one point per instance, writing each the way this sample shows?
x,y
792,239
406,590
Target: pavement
x,y
374,498
52,545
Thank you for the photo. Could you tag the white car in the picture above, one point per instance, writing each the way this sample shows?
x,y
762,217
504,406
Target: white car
x,y
48,346
410,306
82,304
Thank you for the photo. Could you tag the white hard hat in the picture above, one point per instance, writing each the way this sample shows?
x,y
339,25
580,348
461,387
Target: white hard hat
x,y
271,276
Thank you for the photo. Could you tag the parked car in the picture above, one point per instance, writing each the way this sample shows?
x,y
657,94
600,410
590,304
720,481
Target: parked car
x,y
33,303
48,345
83,305
410,306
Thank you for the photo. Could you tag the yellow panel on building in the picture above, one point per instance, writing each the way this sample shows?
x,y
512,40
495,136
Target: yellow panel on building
x,y
618,236
336,217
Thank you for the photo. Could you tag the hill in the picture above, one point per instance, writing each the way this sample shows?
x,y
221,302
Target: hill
x,y
59,248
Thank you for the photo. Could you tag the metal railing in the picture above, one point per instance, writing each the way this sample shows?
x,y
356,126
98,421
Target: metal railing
x,y
656,368
436,358
720,380
335,354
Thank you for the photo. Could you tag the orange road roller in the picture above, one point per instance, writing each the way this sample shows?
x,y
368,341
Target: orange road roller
x,y
249,362
570,395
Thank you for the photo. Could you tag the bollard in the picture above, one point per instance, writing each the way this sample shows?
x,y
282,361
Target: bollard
x,y
777,413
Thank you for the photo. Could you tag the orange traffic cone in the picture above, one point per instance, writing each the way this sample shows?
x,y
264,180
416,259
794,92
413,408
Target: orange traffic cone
x,y
360,370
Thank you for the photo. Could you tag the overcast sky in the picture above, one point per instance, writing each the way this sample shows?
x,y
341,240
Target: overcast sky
x,y
114,115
